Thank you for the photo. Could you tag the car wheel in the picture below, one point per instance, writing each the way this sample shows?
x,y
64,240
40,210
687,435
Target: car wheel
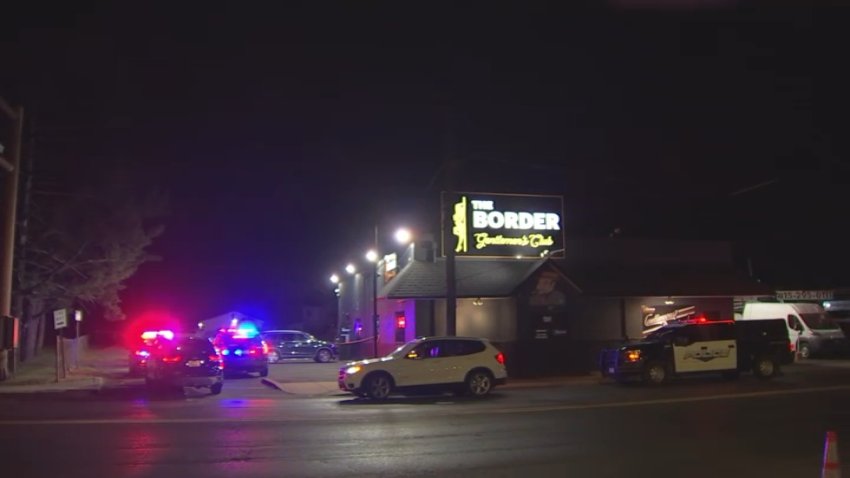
x,y
323,356
655,373
215,389
764,367
479,383
379,386
264,372
805,351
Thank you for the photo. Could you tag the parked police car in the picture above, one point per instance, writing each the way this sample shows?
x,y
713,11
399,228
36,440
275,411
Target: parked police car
x,y
700,346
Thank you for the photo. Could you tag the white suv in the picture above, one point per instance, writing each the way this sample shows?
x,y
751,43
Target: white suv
x,y
460,364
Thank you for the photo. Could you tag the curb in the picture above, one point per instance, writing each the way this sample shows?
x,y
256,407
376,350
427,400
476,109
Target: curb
x,y
273,384
94,384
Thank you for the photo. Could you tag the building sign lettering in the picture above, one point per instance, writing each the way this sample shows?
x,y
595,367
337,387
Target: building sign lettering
x,y
501,225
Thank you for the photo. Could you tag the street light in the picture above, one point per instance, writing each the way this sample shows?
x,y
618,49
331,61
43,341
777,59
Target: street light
x,y
350,269
372,256
403,236
335,278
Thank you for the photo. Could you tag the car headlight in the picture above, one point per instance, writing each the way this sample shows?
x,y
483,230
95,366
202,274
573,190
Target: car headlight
x,y
352,370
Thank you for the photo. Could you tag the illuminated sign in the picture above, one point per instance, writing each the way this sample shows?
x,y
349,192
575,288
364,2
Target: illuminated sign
x,y
502,225
805,294
389,267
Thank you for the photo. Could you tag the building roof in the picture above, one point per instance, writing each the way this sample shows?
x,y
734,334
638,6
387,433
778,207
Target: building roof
x,y
663,281
474,278
601,268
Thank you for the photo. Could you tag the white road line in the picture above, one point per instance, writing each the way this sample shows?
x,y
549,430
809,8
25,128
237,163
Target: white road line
x,y
442,410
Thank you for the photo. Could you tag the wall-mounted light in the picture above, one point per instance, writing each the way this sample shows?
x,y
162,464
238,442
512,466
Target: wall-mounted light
x,y
669,301
350,269
334,278
478,301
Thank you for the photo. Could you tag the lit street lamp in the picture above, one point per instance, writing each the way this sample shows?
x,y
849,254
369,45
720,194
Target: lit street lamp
x,y
350,269
402,236
372,256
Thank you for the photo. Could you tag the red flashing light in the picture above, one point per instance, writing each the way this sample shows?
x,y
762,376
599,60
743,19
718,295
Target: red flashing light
x,y
214,358
702,320
172,359
500,357
401,322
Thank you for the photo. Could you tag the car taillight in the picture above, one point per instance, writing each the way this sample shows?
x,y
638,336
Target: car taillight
x,y
265,347
259,350
500,357
172,358
214,358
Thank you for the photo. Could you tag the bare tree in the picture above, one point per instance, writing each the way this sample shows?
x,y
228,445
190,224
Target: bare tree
x,y
81,248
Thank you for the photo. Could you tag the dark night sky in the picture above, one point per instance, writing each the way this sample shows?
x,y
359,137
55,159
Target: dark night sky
x,y
283,134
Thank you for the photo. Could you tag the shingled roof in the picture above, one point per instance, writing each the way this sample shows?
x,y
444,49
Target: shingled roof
x,y
474,277
696,281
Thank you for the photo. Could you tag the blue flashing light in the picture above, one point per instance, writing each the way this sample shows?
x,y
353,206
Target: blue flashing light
x,y
246,330
225,352
238,352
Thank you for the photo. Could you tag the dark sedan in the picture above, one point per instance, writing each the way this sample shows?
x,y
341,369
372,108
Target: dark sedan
x,y
288,344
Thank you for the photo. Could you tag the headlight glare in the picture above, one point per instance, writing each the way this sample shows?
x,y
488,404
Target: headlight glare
x,y
352,370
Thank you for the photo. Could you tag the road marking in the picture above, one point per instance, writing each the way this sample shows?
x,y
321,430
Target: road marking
x,y
369,417
666,401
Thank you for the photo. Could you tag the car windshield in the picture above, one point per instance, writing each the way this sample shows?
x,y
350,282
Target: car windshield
x,y
819,321
402,351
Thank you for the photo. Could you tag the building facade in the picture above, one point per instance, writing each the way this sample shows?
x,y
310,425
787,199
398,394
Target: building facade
x,y
549,316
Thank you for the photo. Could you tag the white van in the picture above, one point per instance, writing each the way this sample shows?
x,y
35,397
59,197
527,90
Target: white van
x,y
809,327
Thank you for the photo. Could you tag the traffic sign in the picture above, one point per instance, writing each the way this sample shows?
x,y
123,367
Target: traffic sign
x,y
60,318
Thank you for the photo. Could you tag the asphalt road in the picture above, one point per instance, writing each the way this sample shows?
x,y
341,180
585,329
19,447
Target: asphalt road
x,y
691,428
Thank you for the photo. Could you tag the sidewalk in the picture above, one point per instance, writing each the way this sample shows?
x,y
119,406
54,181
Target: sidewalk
x,y
39,373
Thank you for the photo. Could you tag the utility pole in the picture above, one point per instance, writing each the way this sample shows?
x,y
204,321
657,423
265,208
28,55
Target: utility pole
x,y
376,318
448,200
10,161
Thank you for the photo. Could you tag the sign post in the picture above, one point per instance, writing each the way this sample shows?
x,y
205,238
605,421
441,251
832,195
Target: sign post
x,y
78,318
60,321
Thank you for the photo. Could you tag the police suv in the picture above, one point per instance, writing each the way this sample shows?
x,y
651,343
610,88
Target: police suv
x,y
701,346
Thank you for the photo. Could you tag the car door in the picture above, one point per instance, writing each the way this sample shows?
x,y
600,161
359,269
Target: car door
x,y
285,345
302,345
704,348
422,366
458,359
